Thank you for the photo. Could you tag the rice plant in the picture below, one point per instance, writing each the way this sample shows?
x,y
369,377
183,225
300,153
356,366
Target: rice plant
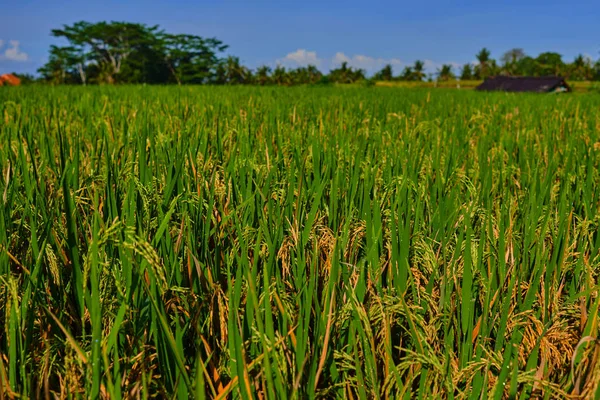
x,y
212,243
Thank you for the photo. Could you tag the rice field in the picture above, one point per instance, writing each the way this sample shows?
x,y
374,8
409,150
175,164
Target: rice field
x,y
291,243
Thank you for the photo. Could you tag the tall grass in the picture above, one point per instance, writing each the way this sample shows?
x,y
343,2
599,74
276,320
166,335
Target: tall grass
x,y
298,243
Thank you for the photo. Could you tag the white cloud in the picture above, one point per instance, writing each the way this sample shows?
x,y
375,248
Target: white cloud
x,y
13,52
1,43
300,57
588,58
340,58
368,63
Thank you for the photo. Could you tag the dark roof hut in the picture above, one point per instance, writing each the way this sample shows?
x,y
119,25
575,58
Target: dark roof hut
x,y
546,84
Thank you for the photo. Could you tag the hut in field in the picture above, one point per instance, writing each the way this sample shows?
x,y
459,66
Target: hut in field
x,y
9,80
546,84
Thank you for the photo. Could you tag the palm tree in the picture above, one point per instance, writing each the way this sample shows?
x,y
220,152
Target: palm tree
x,y
343,74
314,75
358,75
235,72
407,74
385,74
298,76
513,56
280,76
466,73
419,70
262,75
483,57
445,73
581,68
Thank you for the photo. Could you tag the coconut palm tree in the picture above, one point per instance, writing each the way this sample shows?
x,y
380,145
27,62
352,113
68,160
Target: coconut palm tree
x,y
407,74
235,72
419,70
385,74
483,69
262,75
280,76
511,60
581,69
466,73
445,73
314,75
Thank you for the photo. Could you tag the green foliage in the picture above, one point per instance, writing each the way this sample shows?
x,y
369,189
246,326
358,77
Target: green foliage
x,y
62,66
549,64
346,74
262,76
386,74
527,66
190,58
466,73
445,73
418,71
232,72
340,242
26,79
485,64
124,52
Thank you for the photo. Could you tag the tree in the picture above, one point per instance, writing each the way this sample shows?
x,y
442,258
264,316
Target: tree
x,y
26,79
359,75
419,70
190,58
108,44
486,65
510,61
115,42
280,76
483,69
466,74
304,75
78,50
314,75
407,74
513,56
298,76
232,72
346,74
549,63
60,67
386,74
596,71
343,74
131,52
581,69
445,73
526,66
262,75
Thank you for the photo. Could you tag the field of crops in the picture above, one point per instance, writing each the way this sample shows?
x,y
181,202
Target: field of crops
x,y
576,86
298,243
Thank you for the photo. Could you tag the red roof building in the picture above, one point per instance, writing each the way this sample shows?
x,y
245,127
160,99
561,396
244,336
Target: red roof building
x,y
9,80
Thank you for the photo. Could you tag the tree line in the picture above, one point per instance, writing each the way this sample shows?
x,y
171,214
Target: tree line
x,y
125,52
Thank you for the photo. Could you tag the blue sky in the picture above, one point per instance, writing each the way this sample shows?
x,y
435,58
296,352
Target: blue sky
x,y
367,34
